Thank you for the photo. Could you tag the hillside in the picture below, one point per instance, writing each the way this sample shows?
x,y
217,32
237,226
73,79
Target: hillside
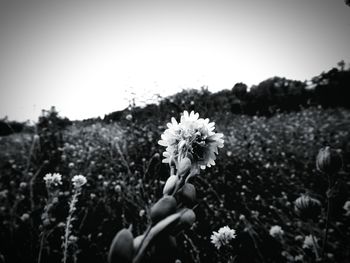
x,y
266,163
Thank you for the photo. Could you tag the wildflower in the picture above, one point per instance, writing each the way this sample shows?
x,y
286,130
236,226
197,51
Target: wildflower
x,y
276,231
328,160
192,136
72,239
79,181
298,238
55,200
25,217
346,207
118,188
242,217
61,224
299,258
128,117
223,236
142,212
53,179
23,185
308,242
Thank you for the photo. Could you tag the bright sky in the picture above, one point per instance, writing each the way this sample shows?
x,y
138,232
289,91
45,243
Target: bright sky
x,y
86,57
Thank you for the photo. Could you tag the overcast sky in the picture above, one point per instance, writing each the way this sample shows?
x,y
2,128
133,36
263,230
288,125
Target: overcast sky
x,y
86,57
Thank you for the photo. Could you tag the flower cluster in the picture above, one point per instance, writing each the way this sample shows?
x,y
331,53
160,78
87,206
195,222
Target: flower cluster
x,y
223,236
276,231
54,179
194,137
79,181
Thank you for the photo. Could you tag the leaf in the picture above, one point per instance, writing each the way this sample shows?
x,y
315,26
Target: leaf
x,y
158,228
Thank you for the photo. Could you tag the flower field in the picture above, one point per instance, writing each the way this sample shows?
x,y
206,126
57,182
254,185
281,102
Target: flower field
x,y
265,164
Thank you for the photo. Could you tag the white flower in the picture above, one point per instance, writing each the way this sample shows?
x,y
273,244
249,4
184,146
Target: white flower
x,y
299,258
346,207
79,181
308,242
25,217
222,237
192,135
276,231
53,179
128,117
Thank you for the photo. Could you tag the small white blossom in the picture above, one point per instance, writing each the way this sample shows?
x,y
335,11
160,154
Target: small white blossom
x,y
346,207
79,181
53,179
308,242
222,237
298,258
276,231
25,217
128,117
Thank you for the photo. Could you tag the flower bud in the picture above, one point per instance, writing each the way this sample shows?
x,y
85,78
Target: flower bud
x,y
187,194
186,220
328,161
170,185
163,208
184,166
307,207
122,247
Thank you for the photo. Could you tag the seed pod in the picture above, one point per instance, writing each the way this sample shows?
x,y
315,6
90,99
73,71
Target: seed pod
x,y
307,207
122,248
186,220
184,166
328,161
187,194
164,207
170,185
